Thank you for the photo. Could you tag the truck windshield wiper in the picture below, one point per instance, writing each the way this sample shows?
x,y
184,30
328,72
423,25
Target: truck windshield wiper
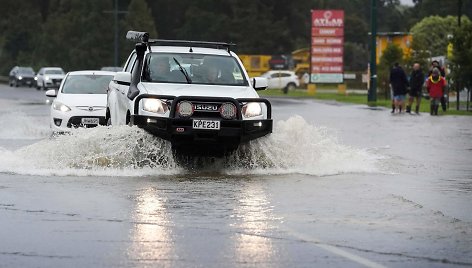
x,y
182,69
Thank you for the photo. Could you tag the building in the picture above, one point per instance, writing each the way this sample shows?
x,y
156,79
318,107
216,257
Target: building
x,y
401,39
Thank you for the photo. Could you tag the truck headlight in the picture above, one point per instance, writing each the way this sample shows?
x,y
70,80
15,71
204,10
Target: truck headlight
x,y
155,106
251,109
60,106
20,77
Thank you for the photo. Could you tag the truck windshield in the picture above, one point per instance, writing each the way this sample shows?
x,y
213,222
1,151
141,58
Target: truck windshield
x,y
193,68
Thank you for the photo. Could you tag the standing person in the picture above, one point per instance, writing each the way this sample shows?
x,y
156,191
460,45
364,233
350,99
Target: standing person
x,y
416,86
435,86
399,84
436,64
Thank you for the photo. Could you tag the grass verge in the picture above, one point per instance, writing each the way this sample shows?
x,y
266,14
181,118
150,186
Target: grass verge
x,y
354,98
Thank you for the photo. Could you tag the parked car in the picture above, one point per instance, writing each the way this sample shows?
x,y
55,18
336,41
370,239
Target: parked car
x,y
286,80
80,101
49,77
21,76
195,94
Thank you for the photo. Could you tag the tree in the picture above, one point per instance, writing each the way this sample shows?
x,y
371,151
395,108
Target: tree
x,y
355,57
355,30
18,28
426,8
214,23
259,24
391,55
432,34
461,62
76,35
138,18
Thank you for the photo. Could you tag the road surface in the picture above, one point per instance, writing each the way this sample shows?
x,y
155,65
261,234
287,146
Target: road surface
x,y
335,185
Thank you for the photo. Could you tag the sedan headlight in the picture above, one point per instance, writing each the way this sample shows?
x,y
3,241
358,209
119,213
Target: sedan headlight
x,y
251,109
46,78
20,77
60,106
155,106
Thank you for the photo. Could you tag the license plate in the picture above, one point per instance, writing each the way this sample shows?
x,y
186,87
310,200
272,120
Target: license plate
x,y
90,121
206,124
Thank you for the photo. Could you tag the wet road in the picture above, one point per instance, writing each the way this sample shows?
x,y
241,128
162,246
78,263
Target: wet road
x,y
333,186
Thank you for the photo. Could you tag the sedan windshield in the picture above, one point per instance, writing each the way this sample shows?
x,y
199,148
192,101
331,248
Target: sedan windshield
x,y
86,84
193,69
25,70
56,71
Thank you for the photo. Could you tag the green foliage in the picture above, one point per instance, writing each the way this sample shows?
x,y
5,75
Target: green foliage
x,y
419,55
391,55
431,34
461,62
79,34
327,94
76,35
355,57
18,33
356,29
138,18
426,8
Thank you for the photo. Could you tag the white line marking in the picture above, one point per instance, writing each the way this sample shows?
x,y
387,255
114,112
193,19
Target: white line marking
x,y
338,251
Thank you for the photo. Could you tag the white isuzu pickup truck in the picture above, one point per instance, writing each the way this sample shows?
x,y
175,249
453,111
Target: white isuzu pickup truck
x,y
195,94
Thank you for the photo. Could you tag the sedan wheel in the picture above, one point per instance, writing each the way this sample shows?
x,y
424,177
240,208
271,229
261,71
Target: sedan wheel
x,y
291,86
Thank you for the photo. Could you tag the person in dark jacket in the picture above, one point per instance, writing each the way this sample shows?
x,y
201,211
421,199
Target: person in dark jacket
x,y
399,84
416,86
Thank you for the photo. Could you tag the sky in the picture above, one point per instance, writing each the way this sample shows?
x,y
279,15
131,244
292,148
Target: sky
x,y
406,2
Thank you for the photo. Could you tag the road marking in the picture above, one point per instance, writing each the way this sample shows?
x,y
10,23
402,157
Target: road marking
x,y
338,251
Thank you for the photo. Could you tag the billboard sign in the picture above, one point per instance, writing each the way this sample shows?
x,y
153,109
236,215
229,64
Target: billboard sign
x,y
327,46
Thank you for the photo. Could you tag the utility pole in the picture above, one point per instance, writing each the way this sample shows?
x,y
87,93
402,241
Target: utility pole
x,y
115,12
372,94
459,15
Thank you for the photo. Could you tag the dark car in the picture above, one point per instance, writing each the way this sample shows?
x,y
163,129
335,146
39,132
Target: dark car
x,y
21,76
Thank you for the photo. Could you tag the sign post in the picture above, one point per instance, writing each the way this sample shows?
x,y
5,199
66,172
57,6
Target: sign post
x,y
372,94
327,46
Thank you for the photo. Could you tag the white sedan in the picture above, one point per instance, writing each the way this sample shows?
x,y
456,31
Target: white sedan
x,y
80,101
285,80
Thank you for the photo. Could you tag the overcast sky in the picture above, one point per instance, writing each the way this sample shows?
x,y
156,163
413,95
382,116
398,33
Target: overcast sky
x,y
407,2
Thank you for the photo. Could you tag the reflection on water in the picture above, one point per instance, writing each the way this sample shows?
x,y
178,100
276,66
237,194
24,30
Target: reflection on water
x,y
254,216
151,238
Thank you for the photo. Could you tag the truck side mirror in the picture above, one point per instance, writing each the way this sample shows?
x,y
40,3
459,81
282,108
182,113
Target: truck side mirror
x,y
259,83
122,78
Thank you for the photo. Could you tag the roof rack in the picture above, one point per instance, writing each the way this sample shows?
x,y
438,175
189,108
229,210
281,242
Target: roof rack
x,y
217,45
144,38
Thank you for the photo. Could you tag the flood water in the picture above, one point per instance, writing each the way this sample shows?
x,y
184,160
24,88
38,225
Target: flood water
x,y
333,185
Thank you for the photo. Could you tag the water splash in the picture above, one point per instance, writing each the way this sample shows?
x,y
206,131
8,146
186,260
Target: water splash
x,y
295,146
18,125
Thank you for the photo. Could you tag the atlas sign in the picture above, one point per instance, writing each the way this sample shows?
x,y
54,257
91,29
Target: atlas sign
x,y
327,46
327,18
